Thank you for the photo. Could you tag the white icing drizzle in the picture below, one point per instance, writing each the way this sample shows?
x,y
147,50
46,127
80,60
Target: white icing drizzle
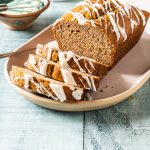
x,y
68,77
48,93
51,45
69,55
88,81
87,67
91,64
109,6
113,22
83,57
121,29
27,79
85,9
62,60
82,82
132,9
118,6
66,74
32,62
100,21
42,66
142,16
41,63
93,6
77,93
38,87
49,54
55,23
133,23
93,84
39,46
80,18
58,90
127,8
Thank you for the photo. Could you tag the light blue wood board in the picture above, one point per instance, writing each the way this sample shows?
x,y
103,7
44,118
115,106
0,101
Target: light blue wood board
x,y
125,126
25,126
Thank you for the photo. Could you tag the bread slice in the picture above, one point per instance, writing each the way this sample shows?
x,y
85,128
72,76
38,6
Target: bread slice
x,y
106,37
70,60
43,85
68,76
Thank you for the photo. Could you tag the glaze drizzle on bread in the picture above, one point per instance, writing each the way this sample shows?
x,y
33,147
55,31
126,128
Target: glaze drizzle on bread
x,y
104,30
68,76
71,60
46,86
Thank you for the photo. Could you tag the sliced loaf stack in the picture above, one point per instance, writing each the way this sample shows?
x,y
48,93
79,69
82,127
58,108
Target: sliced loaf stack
x,y
62,76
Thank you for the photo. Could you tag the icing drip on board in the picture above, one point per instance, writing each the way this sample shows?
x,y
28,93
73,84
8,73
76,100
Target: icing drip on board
x,y
77,93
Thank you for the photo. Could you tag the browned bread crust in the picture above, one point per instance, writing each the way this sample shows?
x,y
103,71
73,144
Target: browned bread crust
x,y
65,75
45,86
71,60
106,37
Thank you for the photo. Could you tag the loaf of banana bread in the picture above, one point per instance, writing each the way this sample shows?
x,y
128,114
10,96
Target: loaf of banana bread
x,y
104,30
45,86
62,74
71,60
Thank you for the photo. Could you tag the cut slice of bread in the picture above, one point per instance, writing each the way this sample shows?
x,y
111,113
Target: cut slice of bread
x,y
106,37
46,86
62,74
70,60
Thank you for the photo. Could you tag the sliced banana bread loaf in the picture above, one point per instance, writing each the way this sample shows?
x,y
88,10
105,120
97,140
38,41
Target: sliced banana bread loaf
x,y
46,86
68,76
70,60
104,30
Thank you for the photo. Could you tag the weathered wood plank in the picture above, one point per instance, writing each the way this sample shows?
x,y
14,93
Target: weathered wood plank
x,y
124,126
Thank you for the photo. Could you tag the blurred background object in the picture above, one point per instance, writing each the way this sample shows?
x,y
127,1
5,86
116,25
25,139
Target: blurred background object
x,y
19,14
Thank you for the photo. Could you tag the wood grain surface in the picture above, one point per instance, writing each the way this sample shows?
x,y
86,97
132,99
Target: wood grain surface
x,y
25,126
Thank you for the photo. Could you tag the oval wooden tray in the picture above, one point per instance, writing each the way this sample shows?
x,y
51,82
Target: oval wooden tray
x,y
121,82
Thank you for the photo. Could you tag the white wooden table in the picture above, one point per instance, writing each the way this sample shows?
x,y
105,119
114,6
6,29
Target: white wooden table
x,y
25,126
